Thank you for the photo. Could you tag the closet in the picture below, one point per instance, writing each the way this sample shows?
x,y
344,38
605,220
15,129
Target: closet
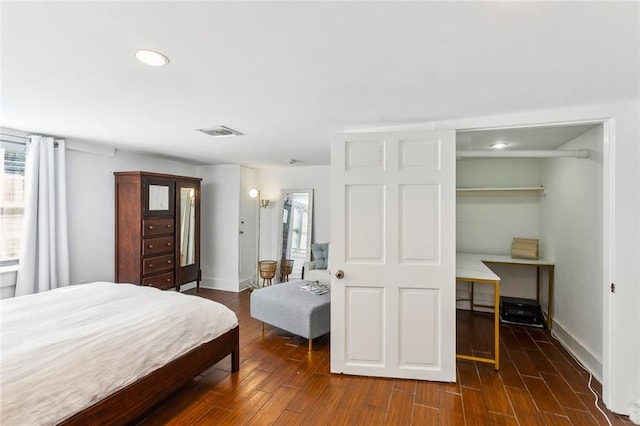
x,y
547,183
157,229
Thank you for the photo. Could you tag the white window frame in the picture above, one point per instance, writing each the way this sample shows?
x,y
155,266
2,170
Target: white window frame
x,y
14,143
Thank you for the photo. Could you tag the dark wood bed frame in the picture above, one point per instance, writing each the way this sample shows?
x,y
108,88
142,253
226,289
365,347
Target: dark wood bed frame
x,y
132,401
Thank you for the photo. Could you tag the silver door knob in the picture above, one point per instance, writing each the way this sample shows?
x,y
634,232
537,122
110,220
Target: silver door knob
x,y
339,274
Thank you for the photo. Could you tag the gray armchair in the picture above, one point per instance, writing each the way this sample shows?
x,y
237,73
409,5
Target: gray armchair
x,y
318,268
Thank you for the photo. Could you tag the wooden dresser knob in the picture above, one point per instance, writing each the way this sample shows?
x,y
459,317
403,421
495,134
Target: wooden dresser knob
x,y
150,226
168,244
168,262
168,226
150,246
168,280
150,265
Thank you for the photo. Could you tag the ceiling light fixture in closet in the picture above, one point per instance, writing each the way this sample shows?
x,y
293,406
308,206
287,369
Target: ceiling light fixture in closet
x,y
152,58
499,145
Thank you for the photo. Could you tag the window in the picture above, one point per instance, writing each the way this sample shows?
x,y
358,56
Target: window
x,y
12,202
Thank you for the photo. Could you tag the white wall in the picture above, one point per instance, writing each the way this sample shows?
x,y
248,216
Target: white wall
x,y
220,226
272,180
488,223
571,234
91,204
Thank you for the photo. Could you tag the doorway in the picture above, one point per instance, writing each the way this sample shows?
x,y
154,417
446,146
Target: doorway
x,y
568,215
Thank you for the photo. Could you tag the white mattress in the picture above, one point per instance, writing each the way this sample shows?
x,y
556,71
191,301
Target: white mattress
x,y
65,349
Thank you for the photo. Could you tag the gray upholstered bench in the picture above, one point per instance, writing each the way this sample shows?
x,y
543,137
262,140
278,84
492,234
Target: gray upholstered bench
x,y
291,309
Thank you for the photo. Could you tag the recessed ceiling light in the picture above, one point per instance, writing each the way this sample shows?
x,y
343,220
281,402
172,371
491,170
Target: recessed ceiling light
x,y
498,145
152,58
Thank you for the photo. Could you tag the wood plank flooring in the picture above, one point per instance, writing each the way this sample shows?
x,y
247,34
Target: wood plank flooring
x,y
281,383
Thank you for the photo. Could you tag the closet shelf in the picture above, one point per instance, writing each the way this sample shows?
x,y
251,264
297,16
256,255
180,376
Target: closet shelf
x,y
530,190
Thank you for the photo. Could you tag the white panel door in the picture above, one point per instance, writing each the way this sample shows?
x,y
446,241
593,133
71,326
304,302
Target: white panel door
x,y
393,236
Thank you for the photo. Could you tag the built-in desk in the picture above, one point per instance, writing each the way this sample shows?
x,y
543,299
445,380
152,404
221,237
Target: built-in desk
x,y
472,268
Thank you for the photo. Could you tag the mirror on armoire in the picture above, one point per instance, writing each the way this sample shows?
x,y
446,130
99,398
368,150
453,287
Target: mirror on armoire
x,y
187,226
294,232
188,232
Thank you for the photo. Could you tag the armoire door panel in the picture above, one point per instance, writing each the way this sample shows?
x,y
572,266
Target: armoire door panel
x,y
158,196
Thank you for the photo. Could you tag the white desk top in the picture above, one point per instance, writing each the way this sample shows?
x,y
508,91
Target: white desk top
x,y
471,265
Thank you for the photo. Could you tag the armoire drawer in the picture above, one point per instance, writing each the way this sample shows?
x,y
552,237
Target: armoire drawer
x,y
159,245
163,281
152,227
156,264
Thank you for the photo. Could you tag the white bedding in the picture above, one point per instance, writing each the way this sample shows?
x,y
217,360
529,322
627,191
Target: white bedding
x,y
65,349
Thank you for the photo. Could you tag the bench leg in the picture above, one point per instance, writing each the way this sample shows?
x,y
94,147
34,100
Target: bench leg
x,y
310,344
262,328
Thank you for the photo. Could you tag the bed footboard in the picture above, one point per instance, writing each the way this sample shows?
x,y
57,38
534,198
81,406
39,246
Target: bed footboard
x,y
134,400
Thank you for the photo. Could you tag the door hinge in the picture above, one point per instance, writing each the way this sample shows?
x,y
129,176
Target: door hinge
x,y
613,288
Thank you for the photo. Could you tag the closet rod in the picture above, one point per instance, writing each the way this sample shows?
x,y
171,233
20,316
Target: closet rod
x,y
581,153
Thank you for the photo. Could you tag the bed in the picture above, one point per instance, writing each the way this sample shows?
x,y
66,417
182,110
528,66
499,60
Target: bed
x,y
105,353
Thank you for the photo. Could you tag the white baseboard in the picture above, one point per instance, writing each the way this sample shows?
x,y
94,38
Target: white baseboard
x,y
585,355
244,284
634,413
187,286
220,284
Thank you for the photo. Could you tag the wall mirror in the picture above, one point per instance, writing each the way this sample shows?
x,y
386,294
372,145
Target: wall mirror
x,y
295,226
187,226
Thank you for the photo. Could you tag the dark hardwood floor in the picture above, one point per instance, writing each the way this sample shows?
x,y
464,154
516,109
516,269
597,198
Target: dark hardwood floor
x,y
281,383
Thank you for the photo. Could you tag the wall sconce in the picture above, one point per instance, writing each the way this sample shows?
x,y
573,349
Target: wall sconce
x,y
253,193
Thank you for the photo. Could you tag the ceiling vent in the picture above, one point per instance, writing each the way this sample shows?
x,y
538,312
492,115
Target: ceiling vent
x,y
220,131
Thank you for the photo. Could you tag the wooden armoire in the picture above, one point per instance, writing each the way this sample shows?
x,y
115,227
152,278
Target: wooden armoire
x,y
157,229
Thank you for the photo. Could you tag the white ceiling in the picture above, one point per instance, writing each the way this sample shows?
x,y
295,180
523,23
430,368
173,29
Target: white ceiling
x,y
290,75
